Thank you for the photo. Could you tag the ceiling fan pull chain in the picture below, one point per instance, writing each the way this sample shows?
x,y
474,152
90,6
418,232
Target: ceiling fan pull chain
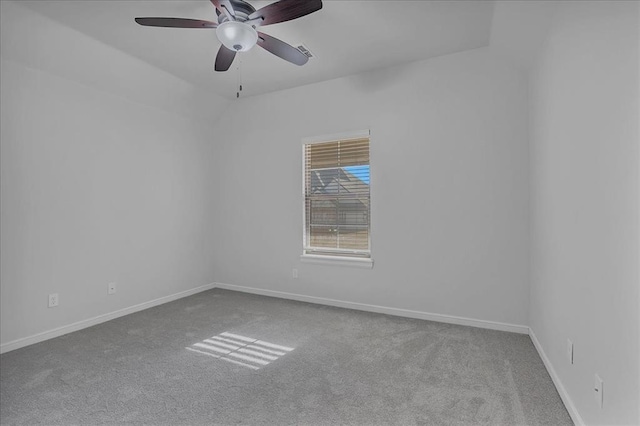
x,y
239,79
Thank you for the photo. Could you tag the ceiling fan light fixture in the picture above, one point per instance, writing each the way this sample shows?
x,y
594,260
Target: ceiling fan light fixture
x,y
237,36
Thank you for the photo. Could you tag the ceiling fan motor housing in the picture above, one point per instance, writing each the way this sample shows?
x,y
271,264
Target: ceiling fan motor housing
x,y
241,9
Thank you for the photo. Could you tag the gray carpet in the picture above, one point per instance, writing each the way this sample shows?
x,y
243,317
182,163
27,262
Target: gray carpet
x,y
284,362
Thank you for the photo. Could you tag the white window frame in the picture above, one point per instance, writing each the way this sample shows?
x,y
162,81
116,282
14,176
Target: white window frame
x,y
331,259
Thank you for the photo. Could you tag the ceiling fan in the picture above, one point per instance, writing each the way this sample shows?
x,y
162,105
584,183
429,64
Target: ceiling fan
x,y
236,27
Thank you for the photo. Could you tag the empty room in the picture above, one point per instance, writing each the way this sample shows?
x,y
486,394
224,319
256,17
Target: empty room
x,y
319,212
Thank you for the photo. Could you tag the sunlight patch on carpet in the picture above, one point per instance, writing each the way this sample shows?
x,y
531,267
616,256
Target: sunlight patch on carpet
x,y
240,350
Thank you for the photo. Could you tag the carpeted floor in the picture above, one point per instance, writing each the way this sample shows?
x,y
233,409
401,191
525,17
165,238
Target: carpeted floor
x,y
222,357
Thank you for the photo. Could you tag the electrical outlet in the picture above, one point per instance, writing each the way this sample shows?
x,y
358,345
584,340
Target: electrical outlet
x,y
598,391
53,300
294,273
112,288
570,351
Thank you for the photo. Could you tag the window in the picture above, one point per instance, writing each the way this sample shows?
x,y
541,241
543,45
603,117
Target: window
x,y
337,199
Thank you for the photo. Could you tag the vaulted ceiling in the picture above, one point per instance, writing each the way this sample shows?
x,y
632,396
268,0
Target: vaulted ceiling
x,y
347,37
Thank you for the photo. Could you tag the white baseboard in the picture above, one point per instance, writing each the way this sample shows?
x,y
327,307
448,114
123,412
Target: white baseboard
x,y
566,399
449,319
50,334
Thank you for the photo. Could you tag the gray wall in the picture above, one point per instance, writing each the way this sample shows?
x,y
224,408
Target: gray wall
x,y
449,167
96,185
584,156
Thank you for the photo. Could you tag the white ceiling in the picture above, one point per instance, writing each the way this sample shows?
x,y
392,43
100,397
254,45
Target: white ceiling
x,y
347,37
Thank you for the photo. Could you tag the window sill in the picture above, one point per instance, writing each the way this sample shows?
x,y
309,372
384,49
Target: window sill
x,y
337,261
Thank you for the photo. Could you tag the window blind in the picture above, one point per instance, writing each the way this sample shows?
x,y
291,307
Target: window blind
x,y
337,198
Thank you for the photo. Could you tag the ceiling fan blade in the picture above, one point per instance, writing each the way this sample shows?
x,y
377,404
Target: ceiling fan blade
x,y
175,23
224,59
281,49
284,10
225,7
